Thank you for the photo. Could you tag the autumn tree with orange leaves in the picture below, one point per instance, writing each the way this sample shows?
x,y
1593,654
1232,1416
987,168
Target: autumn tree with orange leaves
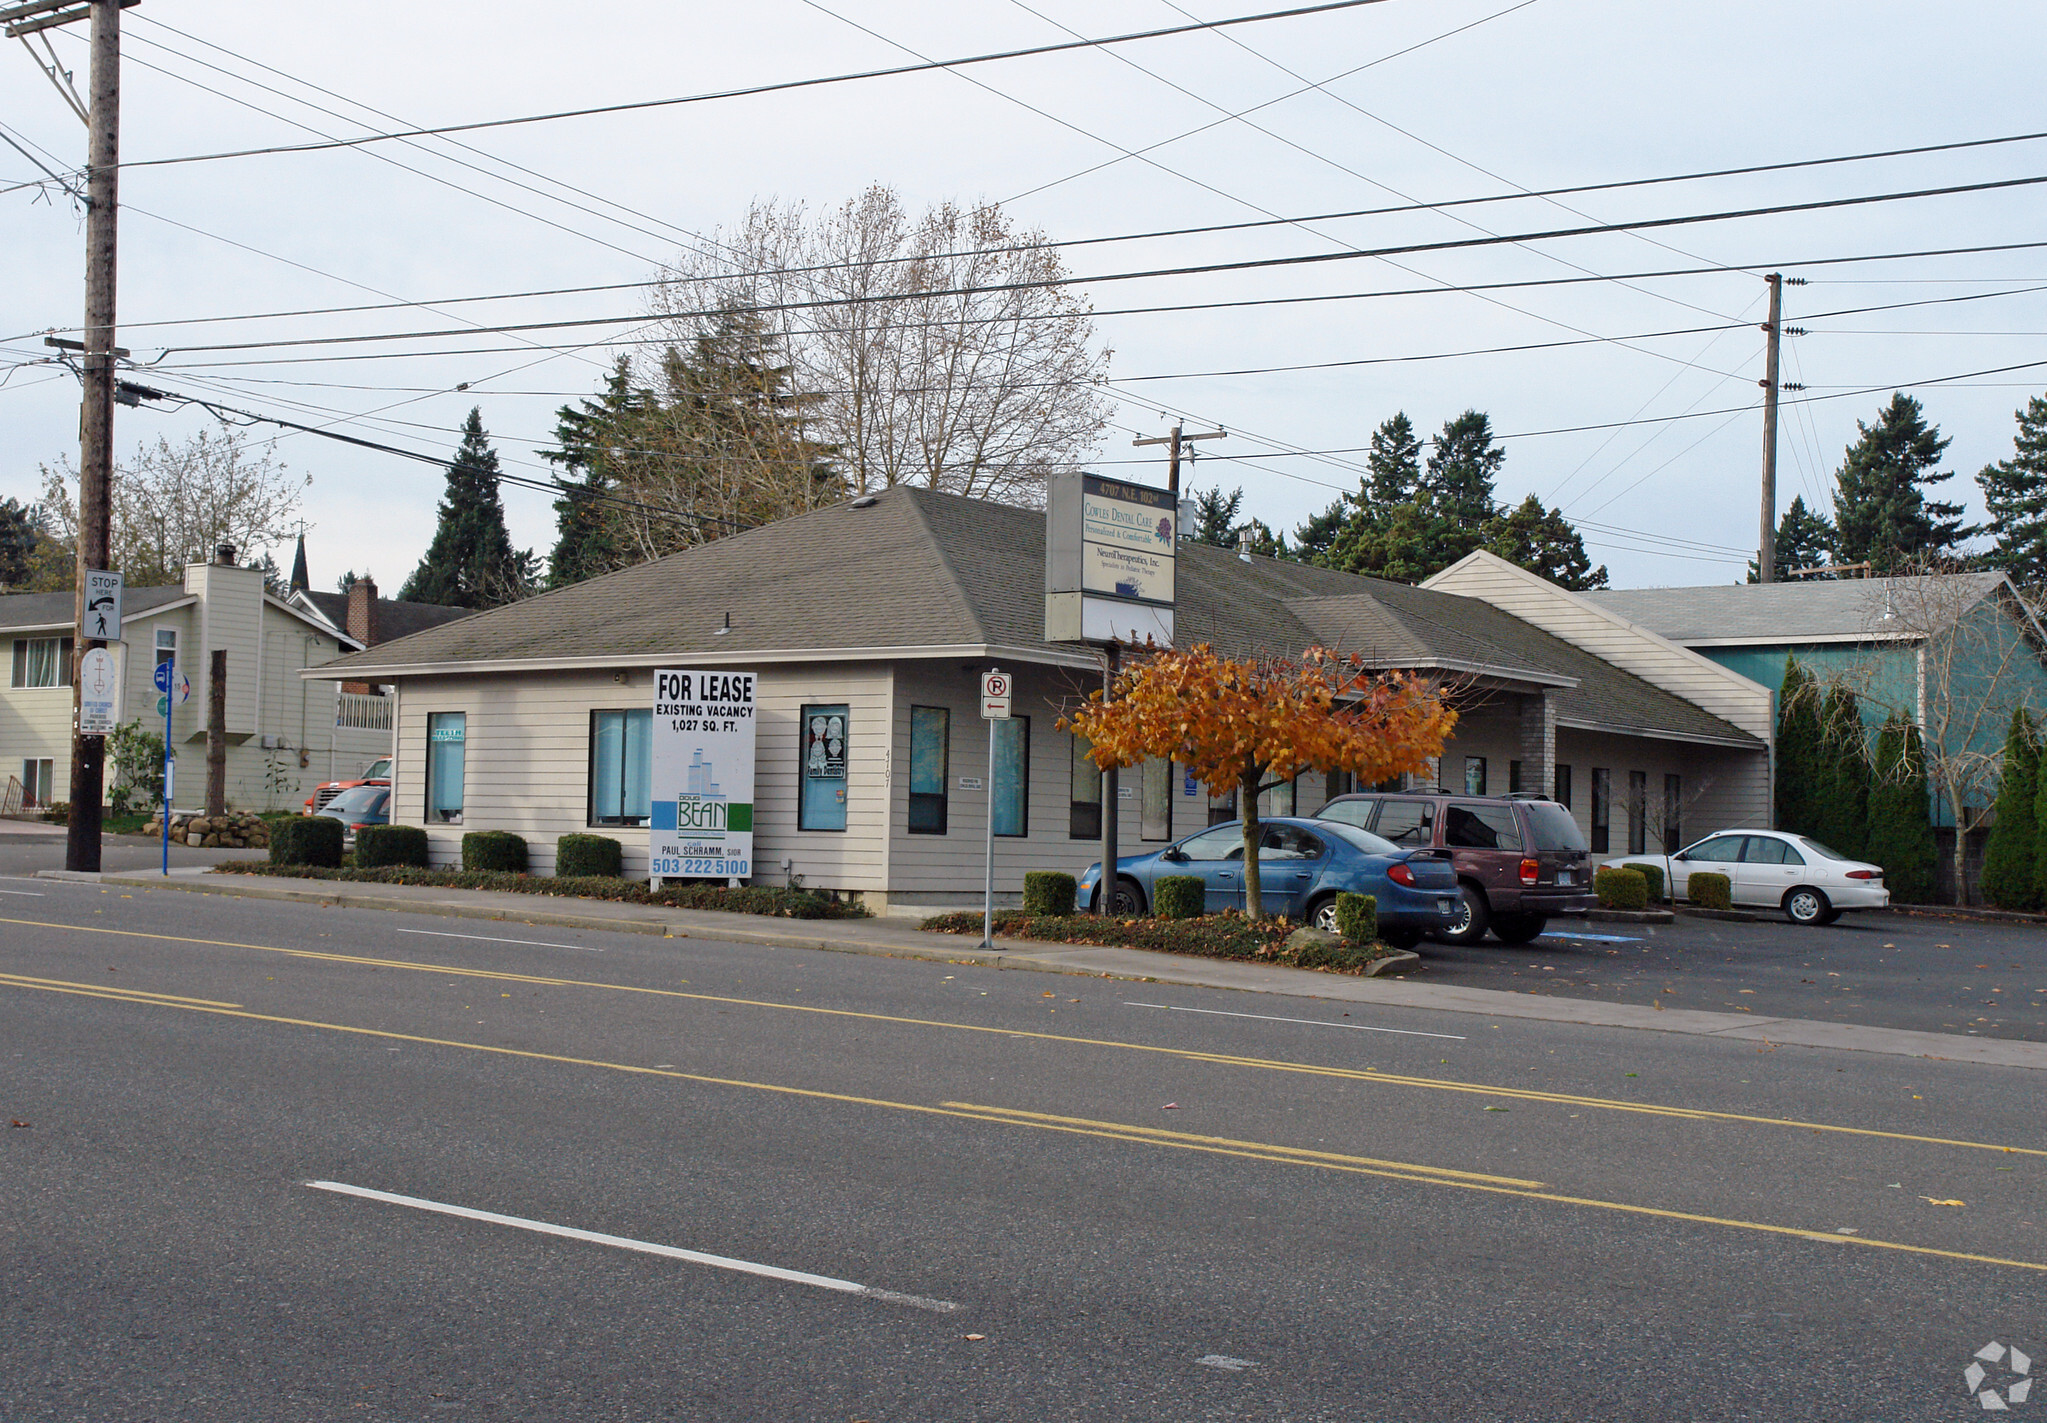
x,y
1251,724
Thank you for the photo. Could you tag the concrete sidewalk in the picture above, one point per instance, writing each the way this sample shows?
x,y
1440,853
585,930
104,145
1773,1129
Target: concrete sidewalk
x,y
897,940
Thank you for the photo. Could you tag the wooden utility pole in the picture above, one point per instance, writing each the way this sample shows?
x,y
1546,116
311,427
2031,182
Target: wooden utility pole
x,y
1766,552
1175,440
96,416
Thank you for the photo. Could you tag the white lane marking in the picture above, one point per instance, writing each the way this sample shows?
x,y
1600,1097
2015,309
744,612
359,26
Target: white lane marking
x,y
1224,1361
488,939
1311,1022
645,1247
1591,938
24,893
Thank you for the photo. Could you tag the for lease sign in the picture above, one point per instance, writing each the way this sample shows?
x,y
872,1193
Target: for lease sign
x,y
700,817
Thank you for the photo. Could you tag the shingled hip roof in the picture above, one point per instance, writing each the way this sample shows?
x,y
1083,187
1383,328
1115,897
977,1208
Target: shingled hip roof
x,y
918,573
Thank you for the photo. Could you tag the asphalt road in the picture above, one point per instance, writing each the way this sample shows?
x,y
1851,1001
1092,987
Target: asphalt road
x,y
1931,974
1140,1210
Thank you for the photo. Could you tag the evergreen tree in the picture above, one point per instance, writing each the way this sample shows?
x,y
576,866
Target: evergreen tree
x,y
1900,827
1798,751
1804,540
1461,470
1215,517
2038,897
2009,859
1315,538
471,562
2015,491
1543,542
1843,808
21,529
1265,543
1881,513
1394,468
589,440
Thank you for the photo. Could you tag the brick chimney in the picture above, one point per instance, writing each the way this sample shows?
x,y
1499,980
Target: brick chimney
x,y
362,611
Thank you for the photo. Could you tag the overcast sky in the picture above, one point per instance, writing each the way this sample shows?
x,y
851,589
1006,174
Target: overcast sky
x,y
1498,96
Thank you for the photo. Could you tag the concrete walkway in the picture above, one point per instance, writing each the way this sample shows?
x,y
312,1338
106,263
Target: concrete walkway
x,y
893,938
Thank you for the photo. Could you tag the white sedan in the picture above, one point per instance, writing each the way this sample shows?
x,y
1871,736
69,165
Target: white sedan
x,y
1772,869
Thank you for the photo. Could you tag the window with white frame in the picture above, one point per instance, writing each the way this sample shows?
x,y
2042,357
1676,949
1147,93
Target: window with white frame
x,y
42,662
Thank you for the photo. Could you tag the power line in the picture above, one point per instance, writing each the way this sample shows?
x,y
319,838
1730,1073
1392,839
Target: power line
x,y
758,89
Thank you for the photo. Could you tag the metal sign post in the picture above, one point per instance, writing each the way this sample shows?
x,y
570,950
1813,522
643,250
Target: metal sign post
x,y
165,679
995,703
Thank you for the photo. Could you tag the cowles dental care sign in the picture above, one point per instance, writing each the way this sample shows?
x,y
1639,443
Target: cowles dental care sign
x,y
700,815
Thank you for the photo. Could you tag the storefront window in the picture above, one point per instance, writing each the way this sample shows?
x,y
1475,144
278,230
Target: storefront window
x,y
446,735
1084,816
1157,820
930,733
621,772
823,802
1009,780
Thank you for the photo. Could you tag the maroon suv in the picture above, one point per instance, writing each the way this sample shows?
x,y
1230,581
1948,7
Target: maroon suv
x,y
1520,860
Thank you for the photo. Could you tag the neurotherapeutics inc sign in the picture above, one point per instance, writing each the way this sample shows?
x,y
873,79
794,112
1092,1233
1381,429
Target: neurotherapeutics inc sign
x,y
700,817
1109,548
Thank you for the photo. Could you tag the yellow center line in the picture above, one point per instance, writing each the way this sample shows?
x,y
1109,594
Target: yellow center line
x,y
1366,1075
122,989
1079,1126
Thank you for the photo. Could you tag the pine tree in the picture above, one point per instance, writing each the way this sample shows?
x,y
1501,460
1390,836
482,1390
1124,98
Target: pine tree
x,y
2015,492
1317,536
2010,857
1900,825
587,540
1394,469
471,562
2039,894
1843,808
1461,470
1881,513
1804,540
1215,517
1798,751
21,529
1543,542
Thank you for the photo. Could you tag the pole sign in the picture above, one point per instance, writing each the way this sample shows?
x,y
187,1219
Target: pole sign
x,y
995,696
102,606
1109,561
99,690
700,816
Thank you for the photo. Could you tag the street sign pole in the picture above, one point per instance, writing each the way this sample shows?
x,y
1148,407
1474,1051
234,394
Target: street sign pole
x,y
165,679
995,704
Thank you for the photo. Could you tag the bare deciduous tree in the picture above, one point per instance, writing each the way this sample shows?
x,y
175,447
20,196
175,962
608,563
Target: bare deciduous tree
x,y
932,348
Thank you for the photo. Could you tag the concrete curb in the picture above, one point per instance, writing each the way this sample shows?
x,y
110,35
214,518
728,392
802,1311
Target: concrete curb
x,y
869,936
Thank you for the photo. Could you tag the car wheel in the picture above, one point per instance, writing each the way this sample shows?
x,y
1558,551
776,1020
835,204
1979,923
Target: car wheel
x,y
1322,914
1806,905
1519,928
1468,922
1129,898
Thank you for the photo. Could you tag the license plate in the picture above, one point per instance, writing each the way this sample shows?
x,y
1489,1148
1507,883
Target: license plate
x,y
1563,876
1443,906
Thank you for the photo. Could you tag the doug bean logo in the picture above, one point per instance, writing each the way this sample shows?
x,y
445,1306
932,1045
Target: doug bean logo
x,y
2009,1377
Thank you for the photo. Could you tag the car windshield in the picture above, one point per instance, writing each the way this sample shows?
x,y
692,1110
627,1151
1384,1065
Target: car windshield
x,y
378,770
357,801
1551,827
1362,839
1826,850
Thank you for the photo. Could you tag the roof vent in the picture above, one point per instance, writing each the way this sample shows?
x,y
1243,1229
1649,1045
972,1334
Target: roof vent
x,y
865,501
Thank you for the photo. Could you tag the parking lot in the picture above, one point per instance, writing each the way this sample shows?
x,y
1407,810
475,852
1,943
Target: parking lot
x,y
1889,970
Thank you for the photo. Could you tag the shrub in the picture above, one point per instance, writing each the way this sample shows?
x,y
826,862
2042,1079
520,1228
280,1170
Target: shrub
x,y
58,812
1652,876
498,850
306,840
1049,892
580,856
1709,890
1357,917
1621,887
1179,896
1213,936
390,845
751,899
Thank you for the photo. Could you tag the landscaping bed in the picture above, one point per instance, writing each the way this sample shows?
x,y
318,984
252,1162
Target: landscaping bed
x,y
1211,936
748,899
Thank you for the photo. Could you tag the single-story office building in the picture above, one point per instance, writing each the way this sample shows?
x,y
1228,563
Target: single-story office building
x,y
878,616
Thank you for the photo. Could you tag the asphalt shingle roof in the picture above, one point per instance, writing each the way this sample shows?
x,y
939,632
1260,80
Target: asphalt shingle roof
x,y
32,610
394,619
1777,612
918,569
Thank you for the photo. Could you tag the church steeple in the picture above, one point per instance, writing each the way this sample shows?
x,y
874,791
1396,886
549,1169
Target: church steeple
x,y
300,581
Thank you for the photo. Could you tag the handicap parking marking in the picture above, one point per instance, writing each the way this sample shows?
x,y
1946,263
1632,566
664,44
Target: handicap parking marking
x,y
1592,938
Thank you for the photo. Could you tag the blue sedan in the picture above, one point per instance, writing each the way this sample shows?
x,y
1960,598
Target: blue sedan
x,y
1302,866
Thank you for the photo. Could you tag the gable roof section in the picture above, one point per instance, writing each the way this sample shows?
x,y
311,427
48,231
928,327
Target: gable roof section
x,y
1779,614
1577,619
918,572
41,611
394,619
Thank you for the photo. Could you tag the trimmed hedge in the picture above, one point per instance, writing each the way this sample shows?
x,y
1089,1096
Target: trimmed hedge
x,y
1357,917
1709,890
1179,896
583,856
749,899
1213,936
498,851
1652,876
1620,887
1049,892
377,845
307,840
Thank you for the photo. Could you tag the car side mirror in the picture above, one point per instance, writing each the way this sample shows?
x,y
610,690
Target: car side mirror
x,y
1173,853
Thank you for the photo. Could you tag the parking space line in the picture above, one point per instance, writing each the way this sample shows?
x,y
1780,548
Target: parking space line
x,y
1311,1022
644,1247
489,939
1591,938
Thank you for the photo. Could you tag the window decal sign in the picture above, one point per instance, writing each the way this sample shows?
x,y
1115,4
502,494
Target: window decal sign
x,y
824,747
700,820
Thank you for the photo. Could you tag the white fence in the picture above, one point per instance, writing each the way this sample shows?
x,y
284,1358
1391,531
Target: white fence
x,y
362,711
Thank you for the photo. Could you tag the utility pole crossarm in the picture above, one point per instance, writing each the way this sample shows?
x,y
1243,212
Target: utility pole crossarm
x,y
1177,439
